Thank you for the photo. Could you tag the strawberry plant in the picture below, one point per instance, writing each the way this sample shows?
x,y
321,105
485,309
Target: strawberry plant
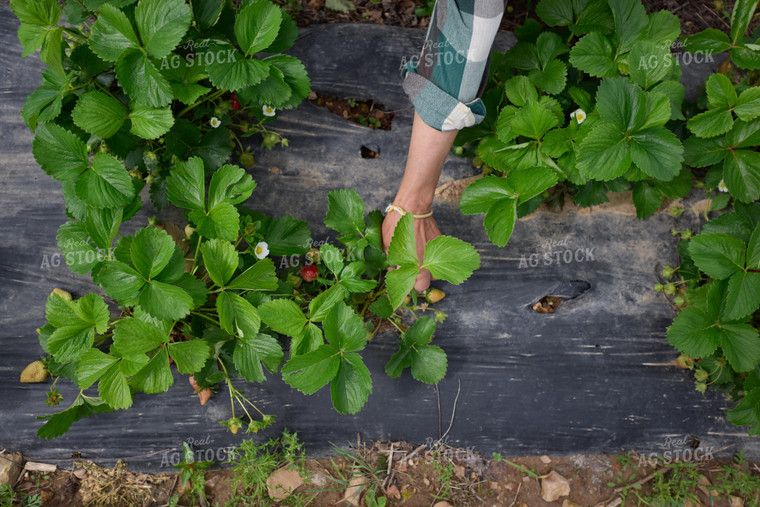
x,y
215,307
585,105
590,102
158,93
137,86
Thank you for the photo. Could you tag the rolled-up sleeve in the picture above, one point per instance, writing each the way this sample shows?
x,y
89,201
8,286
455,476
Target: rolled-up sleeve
x,y
446,82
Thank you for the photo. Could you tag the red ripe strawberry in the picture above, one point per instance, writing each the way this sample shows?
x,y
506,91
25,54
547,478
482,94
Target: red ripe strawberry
x,y
234,102
309,273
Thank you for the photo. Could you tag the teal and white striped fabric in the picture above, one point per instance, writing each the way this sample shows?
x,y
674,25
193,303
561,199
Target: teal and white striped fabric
x,y
446,82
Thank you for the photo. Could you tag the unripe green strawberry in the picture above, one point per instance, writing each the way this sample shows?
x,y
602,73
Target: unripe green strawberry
x,y
684,361
701,375
434,295
669,289
701,387
676,211
668,272
269,140
246,159
66,296
294,280
658,287
679,301
34,373
686,234
313,255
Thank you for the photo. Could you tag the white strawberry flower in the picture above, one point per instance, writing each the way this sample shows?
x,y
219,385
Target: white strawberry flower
x,y
578,115
215,122
268,110
261,250
722,186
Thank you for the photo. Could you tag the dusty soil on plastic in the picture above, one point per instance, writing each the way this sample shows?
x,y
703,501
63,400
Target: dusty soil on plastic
x,y
460,477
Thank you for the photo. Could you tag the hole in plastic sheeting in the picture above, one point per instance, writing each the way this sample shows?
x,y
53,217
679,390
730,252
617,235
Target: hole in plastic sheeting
x,y
565,291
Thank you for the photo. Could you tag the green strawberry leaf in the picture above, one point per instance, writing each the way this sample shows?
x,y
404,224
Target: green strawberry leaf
x,y
61,154
58,424
99,114
234,71
594,54
221,260
345,329
150,123
154,377
718,255
320,306
132,337
311,371
345,212
450,259
112,34
399,282
190,356
142,81
741,172
162,24
283,316
78,250
106,184
256,26
352,385
260,276
236,315
743,295
250,352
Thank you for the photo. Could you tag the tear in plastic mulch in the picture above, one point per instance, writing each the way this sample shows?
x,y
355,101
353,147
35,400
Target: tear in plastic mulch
x,y
588,376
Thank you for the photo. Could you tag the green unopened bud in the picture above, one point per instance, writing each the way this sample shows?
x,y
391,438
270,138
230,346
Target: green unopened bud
x,y
152,221
674,232
686,234
487,169
668,272
458,151
676,211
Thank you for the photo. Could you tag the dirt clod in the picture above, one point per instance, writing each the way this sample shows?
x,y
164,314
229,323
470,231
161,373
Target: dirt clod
x,y
554,486
282,482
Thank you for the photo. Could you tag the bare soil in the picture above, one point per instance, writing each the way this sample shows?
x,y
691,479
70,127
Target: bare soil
x,y
460,477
